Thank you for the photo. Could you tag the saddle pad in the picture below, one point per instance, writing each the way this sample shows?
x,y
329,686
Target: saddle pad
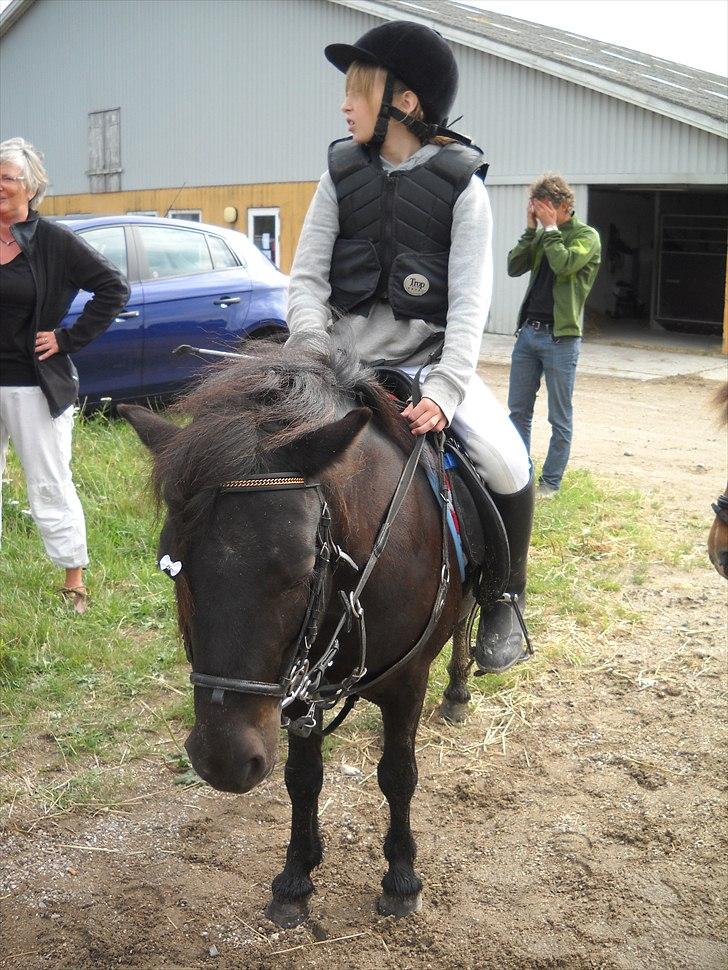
x,y
496,565
453,525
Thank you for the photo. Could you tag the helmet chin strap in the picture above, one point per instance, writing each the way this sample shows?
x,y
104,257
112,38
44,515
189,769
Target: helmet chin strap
x,y
385,111
421,129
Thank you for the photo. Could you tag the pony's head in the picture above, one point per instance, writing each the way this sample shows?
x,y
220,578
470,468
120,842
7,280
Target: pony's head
x,y
244,560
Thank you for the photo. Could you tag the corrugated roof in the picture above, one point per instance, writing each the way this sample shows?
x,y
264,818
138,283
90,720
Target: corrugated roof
x,y
677,84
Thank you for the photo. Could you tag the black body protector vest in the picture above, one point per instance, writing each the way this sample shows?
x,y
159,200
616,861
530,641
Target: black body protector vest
x,y
394,229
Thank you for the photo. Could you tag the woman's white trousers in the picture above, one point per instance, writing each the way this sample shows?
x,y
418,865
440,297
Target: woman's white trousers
x,y
43,445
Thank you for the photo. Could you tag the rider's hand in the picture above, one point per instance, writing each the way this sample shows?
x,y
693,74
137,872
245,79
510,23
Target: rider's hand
x,y
46,344
427,416
545,212
530,215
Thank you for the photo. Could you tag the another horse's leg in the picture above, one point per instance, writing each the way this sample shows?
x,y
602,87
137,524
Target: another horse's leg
x,y
454,707
397,773
292,887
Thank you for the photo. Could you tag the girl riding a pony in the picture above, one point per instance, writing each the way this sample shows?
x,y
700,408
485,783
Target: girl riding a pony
x,y
395,257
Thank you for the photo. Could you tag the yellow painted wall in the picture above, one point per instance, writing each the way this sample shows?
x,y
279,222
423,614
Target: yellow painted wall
x,y
292,198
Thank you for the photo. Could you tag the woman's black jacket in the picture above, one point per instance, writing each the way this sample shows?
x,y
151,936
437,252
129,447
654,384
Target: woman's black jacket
x,y
62,264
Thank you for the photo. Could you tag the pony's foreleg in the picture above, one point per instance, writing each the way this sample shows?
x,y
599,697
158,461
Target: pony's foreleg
x,y
454,707
292,887
397,773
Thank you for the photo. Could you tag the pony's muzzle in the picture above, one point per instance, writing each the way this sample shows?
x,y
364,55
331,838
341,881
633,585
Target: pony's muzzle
x,y
231,760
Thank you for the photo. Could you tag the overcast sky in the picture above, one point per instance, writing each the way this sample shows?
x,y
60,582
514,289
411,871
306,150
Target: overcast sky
x,y
693,32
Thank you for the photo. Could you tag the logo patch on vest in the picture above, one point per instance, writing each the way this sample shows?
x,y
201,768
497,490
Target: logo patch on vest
x,y
416,284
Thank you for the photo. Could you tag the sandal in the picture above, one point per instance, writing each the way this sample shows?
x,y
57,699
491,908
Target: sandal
x,y
76,596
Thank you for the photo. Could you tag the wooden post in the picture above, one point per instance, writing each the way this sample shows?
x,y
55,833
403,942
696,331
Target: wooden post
x,y
725,309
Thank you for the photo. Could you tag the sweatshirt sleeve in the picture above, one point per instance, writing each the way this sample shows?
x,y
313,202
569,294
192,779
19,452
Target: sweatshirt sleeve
x,y
520,258
470,284
309,316
566,260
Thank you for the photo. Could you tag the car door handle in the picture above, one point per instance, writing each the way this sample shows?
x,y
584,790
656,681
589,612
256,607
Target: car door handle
x,y
226,300
127,315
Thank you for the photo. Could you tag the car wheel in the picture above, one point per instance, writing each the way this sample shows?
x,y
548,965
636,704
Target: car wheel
x,y
270,331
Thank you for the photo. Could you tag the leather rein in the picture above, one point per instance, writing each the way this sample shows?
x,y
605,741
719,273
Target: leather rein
x,y
303,680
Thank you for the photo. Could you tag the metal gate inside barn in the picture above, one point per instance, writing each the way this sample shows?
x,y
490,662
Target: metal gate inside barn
x,y
663,256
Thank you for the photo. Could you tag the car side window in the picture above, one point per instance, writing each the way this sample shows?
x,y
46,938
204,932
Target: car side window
x,y
174,252
111,243
221,255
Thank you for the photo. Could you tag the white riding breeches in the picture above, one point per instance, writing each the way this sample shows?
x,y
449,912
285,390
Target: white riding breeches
x,y
489,437
43,445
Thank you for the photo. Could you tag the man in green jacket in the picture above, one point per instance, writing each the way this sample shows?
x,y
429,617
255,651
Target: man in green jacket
x,y
563,257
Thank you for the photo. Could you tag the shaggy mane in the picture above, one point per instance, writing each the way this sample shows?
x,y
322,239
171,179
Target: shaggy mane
x,y
243,411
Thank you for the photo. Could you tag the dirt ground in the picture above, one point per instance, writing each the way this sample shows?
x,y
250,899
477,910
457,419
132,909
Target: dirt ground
x,y
589,834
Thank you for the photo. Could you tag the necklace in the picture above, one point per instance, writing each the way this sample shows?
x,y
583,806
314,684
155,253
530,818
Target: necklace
x,y
8,242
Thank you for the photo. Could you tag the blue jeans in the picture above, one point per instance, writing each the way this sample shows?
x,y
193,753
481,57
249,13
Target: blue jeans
x,y
535,353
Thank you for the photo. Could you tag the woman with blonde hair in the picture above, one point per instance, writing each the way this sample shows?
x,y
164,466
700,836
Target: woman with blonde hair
x,y
395,255
43,265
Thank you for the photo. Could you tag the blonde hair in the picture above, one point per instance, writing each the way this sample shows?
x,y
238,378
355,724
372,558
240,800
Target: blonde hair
x,y
18,151
361,80
555,188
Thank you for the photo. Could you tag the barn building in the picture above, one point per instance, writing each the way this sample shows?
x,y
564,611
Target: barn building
x,y
221,110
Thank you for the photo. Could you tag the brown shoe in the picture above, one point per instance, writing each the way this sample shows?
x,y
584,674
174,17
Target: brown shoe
x,y
76,596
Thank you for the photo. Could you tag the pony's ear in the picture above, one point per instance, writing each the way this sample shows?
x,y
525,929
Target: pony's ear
x,y
324,447
153,431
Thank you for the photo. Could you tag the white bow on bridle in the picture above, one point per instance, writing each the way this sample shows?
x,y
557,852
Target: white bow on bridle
x,y
169,566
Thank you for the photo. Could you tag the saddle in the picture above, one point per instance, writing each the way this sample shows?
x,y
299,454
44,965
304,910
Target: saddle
x,y
481,529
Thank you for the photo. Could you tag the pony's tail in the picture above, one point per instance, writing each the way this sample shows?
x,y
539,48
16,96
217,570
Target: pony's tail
x,y
720,403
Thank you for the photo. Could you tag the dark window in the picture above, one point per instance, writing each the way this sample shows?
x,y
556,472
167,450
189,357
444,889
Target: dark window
x,y
174,252
104,150
221,255
110,242
190,215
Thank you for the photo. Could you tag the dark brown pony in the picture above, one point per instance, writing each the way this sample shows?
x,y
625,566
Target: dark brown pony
x,y
718,537
244,564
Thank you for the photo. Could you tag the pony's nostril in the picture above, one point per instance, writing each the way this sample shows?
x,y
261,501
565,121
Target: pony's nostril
x,y
256,770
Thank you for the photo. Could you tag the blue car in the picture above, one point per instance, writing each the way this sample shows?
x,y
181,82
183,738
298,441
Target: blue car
x,y
190,284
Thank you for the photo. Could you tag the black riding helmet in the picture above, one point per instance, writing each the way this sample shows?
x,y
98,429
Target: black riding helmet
x,y
420,58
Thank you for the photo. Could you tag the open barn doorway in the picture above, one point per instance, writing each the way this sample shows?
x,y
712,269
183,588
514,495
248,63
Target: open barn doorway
x,y
663,263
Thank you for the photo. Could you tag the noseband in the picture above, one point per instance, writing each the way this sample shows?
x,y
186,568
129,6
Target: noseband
x,y
720,507
303,680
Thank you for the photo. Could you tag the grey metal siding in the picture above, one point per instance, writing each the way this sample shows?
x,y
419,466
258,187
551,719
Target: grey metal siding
x,y
238,91
529,122
224,92
211,93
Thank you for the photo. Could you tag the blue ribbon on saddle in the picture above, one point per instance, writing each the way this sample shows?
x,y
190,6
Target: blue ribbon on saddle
x,y
450,461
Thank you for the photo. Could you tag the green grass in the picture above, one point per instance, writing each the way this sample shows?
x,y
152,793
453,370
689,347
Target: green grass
x,y
81,679
81,695
588,541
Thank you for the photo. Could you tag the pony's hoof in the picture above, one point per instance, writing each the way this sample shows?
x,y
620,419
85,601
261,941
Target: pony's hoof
x,y
399,906
453,713
286,914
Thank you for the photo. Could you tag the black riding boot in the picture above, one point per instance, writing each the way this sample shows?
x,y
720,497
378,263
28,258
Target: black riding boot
x,y
500,643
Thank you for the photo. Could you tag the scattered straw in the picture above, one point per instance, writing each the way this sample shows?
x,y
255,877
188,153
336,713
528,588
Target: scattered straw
x,y
304,946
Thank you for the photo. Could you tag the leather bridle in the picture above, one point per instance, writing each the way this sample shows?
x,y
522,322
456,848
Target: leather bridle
x,y
720,507
304,680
